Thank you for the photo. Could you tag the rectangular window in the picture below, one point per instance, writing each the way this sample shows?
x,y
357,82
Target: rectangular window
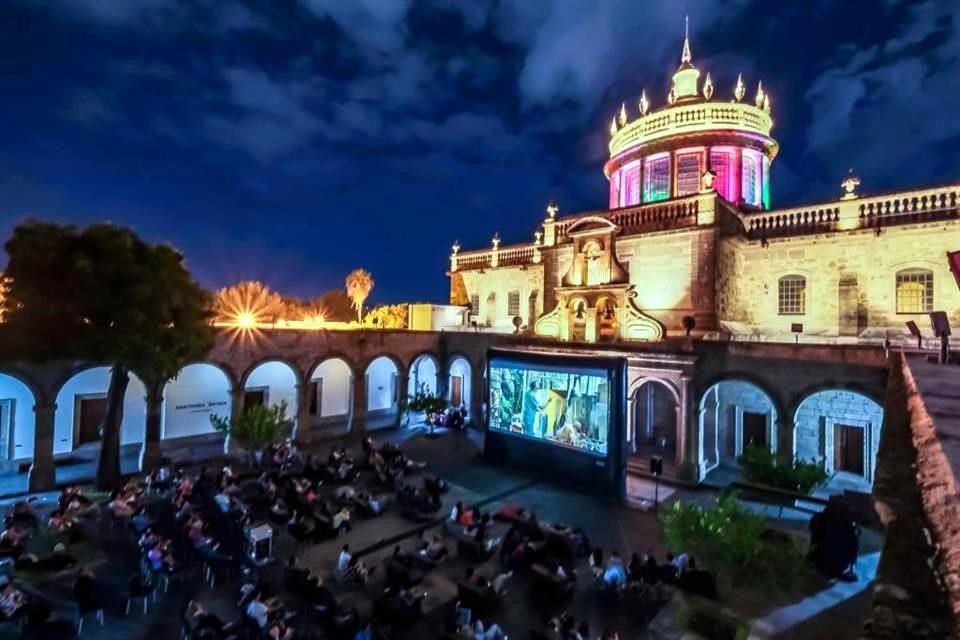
x,y
615,190
792,296
631,185
915,291
656,178
722,165
475,305
751,171
688,173
513,304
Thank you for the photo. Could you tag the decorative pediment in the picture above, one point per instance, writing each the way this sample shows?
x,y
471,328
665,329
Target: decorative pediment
x,y
591,225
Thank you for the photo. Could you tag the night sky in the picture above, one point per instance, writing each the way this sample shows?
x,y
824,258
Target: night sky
x,y
291,141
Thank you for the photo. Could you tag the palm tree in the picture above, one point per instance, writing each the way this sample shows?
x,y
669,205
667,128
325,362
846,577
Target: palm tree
x,y
359,285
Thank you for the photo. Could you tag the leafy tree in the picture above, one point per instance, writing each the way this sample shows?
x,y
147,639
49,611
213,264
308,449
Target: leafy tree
x,y
335,306
388,316
359,284
102,294
734,542
256,428
427,403
249,299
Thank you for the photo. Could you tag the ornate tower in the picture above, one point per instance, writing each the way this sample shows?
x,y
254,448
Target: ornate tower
x,y
693,142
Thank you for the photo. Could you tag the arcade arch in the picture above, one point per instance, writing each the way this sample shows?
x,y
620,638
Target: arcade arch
x,y
17,421
459,385
271,383
656,414
199,391
82,405
735,413
423,375
382,377
330,396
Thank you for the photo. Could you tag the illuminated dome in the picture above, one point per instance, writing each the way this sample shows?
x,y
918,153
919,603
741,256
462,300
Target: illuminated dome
x,y
665,153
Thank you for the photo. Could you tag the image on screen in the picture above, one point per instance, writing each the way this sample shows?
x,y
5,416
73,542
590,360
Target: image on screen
x,y
569,407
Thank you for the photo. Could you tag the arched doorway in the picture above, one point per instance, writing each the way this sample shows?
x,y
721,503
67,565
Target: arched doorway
x,y
82,406
655,411
198,392
578,320
839,430
382,393
735,414
423,375
459,387
272,383
17,421
330,396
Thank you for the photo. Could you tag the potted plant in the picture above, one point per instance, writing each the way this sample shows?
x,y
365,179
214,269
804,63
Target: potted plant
x,y
255,428
429,404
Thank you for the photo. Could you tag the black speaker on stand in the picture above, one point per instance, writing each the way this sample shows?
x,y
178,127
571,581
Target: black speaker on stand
x,y
656,470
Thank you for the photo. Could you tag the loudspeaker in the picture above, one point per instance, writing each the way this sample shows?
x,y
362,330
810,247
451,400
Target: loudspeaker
x,y
656,465
939,323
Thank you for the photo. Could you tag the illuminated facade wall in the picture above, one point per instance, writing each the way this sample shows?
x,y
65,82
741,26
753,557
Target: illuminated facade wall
x,y
493,288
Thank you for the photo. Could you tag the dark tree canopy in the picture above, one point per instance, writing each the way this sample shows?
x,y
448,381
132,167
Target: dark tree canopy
x,y
103,295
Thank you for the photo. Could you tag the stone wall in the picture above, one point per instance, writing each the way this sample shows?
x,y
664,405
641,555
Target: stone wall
x,y
748,275
498,282
814,420
739,396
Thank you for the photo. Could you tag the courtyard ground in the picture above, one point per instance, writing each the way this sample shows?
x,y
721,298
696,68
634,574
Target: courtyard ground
x,y
823,610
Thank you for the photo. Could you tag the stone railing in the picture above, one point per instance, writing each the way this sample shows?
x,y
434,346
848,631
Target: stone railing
x,y
510,256
856,213
704,116
655,216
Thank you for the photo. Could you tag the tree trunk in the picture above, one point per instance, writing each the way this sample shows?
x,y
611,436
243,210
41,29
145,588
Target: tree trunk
x,y
150,453
108,464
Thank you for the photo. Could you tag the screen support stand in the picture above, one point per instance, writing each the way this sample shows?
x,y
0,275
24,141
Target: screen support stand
x,y
656,494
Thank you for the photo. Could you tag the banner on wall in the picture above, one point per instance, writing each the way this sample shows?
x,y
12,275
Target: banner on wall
x,y
188,409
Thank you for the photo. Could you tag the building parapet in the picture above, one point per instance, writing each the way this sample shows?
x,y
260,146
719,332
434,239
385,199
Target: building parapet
x,y
856,213
691,118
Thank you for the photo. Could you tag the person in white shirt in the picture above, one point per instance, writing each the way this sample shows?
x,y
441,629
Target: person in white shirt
x,y
259,612
223,501
681,562
343,561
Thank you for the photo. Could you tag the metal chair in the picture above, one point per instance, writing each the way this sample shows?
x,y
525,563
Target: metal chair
x,y
84,610
139,589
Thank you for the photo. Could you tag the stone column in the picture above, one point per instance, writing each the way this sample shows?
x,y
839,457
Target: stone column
x,y
784,440
43,472
303,430
358,414
687,436
236,408
150,450
478,395
403,384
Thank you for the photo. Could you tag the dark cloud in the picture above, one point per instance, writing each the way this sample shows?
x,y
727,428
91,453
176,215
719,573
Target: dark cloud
x,y
275,140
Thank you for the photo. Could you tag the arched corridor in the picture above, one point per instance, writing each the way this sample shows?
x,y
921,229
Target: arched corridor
x,y
198,392
272,383
735,414
839,430
330,396
16,419
81,408
423,375
655,420
382,377
459,386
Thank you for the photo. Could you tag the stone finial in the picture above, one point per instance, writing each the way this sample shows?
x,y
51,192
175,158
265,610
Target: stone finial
x,y
552,210
644,103
760,94
685,56
622,118
613,126
766,102
456,247
672,96
708,87
739,90
850,184
496,241
537,238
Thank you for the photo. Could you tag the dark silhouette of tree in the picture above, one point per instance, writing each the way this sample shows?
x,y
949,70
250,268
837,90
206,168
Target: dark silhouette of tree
x,y
103,295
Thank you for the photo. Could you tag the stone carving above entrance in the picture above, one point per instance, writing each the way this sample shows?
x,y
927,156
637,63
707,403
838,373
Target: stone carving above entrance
x,y
598,314
594,254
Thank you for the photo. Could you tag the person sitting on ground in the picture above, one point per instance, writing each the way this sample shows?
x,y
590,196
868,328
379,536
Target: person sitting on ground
x,y
680,562
668,570
649,570
344,494
11,542
435,550
596,562
635,568
341,516
21,513
258,611
615,575
698,581
480,632
373,504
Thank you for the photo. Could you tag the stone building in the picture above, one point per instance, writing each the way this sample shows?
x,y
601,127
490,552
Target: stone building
x,y
689,240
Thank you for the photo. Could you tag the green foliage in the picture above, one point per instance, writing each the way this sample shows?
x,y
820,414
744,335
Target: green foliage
x,y
760,466
425,402
733,541
101,294
257,427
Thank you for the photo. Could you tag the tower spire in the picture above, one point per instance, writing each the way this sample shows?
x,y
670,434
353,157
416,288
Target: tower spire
x,y
685,57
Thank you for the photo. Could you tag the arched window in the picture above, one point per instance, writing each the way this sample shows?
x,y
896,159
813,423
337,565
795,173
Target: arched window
x,y
915,291
688,173
656,178
792,296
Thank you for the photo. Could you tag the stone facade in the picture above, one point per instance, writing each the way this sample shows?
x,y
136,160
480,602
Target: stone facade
x,y
818,415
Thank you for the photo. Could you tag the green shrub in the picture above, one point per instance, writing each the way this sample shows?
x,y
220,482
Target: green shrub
x,y
733,542
760,466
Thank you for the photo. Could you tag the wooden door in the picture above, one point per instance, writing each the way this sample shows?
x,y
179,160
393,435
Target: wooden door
x,y
89,417
848,306
456,391
754,430
848,449
254,398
